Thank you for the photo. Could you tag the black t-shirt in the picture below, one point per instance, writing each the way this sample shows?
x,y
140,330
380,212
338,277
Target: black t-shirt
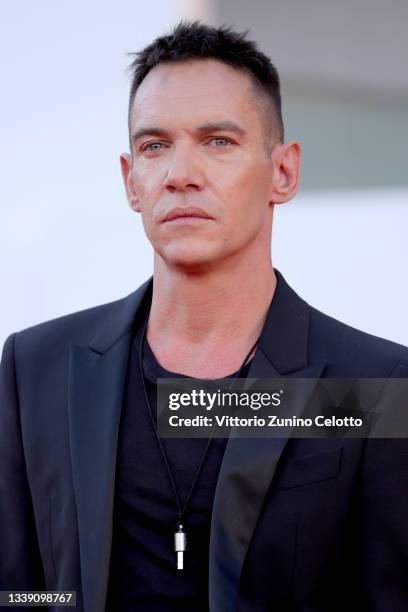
x,y
144,574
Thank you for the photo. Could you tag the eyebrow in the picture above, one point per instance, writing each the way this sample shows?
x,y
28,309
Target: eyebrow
x,y
211,126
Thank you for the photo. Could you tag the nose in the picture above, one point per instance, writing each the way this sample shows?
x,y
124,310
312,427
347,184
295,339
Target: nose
x,y
184,172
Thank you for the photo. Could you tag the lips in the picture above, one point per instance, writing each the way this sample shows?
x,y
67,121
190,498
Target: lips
x,y
190,211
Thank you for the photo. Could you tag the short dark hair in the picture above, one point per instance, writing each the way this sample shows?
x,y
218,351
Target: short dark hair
x,y
195,40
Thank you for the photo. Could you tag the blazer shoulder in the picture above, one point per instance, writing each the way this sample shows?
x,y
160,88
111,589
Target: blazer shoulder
x,y
81,327
353,351
45,344
75,325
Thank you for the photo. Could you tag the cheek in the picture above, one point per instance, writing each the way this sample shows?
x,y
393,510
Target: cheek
x,y
147,188
145,183
247,192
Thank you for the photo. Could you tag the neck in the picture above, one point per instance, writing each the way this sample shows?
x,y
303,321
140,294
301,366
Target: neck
x,y
203,324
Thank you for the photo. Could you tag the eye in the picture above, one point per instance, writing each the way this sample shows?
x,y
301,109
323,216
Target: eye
x,y
221,142
152,146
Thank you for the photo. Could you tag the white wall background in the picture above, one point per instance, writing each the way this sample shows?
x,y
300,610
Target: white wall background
x,y
68,238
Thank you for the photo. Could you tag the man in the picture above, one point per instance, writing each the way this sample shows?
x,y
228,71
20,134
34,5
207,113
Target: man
x,y
90,495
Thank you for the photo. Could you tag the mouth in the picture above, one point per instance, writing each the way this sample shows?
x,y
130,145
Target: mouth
x,y
186,214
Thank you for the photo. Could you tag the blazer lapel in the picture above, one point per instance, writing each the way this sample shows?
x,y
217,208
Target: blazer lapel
x,y
249,464
96,382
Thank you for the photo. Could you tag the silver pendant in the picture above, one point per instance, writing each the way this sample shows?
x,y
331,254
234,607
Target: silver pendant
x,y
180,546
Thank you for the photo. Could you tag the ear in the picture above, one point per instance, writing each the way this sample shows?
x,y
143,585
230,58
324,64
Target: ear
x,y
126,167
287,161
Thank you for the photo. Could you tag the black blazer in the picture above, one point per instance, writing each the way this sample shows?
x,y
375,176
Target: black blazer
x,y
297,525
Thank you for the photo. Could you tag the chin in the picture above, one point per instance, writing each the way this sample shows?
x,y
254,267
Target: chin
x,y
189,257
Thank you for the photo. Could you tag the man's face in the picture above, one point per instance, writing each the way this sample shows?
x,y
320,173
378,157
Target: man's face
x,y
198,140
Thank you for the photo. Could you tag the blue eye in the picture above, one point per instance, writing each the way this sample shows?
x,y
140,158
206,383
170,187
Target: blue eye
x,y
149,146
223,140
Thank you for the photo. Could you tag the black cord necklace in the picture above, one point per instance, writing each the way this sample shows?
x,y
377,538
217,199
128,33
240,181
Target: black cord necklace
x,y
180,541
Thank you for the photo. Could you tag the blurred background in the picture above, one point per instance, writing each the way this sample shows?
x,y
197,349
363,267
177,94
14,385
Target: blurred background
x,y
68,238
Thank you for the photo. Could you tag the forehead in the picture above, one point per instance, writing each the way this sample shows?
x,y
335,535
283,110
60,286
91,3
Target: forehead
x,y
195,90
